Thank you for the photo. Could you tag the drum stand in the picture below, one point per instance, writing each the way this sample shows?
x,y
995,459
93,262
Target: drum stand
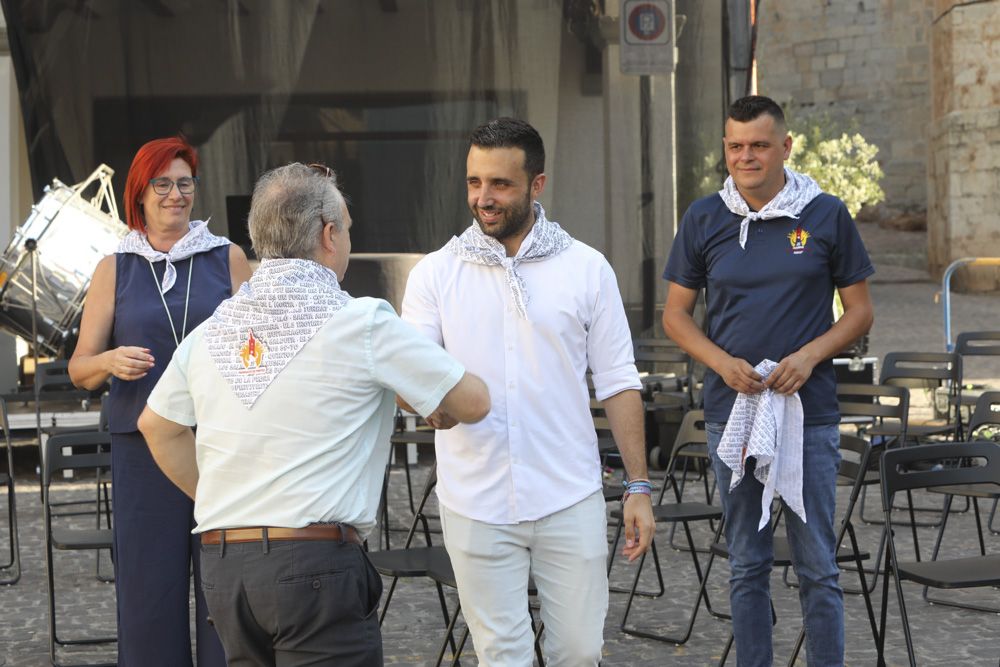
x,y
31,246
31,250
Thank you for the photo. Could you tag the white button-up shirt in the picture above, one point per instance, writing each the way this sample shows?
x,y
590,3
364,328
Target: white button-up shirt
x,y
536,451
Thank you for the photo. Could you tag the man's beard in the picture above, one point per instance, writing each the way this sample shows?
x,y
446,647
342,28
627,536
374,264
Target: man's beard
x,y
513,221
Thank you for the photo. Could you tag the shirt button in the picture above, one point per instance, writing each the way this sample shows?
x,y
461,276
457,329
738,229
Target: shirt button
x,y
510,385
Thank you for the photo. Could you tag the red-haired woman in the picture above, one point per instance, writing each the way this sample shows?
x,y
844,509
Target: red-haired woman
x,y
168,276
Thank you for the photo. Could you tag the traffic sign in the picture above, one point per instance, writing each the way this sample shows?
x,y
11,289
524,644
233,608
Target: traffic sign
x,y
647,36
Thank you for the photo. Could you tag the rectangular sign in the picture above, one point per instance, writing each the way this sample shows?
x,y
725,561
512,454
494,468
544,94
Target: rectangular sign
x,y
647,36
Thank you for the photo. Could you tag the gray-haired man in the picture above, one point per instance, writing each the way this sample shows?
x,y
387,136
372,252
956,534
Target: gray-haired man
x,y
291,385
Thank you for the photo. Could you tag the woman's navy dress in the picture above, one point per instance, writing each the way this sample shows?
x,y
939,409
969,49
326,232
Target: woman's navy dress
x,y
154,548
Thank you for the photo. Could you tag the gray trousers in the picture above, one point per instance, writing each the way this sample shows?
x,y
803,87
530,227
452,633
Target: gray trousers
x,y
294,603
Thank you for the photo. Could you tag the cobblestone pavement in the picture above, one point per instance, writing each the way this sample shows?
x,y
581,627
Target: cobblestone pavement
x,y
414,627
907,318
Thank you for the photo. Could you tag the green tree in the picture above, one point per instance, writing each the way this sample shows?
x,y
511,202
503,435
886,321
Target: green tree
x,y
844,165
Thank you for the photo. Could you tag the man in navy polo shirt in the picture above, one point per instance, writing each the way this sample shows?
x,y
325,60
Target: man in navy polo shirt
x,y
769,249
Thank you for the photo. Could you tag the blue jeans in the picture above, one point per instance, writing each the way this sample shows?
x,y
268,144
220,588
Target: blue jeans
x,y
813,547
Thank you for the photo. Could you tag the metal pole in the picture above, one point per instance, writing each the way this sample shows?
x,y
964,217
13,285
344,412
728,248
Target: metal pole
x,y
31,245
646,213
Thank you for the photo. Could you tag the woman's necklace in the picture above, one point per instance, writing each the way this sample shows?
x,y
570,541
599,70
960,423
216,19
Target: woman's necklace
x,y
187,300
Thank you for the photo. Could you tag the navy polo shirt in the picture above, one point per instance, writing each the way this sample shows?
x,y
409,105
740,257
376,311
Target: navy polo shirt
x,y
770,299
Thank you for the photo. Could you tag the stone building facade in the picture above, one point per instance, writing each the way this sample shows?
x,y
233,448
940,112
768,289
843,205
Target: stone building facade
x,y
856,61
963,198
921,80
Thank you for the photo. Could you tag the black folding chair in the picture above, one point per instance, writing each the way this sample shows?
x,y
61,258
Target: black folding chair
x,y
929,371
976,344
54,390
675,511
78,452
400,440
986,415
443,574
11,568
879,407
413,561
922,467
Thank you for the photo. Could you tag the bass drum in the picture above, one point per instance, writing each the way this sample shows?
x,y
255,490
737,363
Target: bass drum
x,y
71,236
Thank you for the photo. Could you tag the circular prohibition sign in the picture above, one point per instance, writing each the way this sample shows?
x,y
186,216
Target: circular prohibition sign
x,y
646,21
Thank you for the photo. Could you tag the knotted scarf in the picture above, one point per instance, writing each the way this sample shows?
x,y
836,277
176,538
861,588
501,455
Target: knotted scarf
x,y
198,239
545,239
799,190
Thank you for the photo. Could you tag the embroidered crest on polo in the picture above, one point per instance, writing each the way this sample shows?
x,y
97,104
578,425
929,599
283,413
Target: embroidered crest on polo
x,y
252,336
545,239
198,239
798,237
799,190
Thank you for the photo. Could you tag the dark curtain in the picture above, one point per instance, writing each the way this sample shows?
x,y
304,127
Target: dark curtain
x,y
383,91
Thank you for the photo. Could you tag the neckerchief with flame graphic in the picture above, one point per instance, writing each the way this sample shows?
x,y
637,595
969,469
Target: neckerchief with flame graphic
x,y
252,336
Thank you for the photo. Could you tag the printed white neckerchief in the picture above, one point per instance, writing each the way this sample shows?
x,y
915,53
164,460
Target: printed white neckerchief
x,y
252,336
799,190
198,239
545,239
767,426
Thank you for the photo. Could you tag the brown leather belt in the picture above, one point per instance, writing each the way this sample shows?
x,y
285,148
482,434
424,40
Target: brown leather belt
x,y
315,531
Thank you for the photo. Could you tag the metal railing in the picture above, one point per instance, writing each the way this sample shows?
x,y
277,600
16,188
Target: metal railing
x,y
946,290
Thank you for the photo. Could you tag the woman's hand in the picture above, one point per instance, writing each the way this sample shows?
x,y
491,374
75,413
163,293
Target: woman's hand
x,y
129,362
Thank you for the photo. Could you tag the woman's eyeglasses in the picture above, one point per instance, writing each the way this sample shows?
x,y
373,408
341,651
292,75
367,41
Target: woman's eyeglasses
x,y
185,185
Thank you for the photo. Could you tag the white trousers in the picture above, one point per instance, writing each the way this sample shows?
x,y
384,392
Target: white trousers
x,y
566,555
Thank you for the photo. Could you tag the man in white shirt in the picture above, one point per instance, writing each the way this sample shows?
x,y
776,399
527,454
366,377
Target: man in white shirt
x,y
291,385
527,308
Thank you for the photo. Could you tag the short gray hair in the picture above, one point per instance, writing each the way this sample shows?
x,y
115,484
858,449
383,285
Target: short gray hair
x,y
289,208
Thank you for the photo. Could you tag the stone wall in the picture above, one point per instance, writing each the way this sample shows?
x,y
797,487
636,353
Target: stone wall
x,y
861,61
964,166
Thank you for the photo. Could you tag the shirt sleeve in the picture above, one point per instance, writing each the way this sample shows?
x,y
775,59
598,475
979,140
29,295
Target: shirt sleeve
x,y
420,307
171,397
409,363
609,341
686,264
849,260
